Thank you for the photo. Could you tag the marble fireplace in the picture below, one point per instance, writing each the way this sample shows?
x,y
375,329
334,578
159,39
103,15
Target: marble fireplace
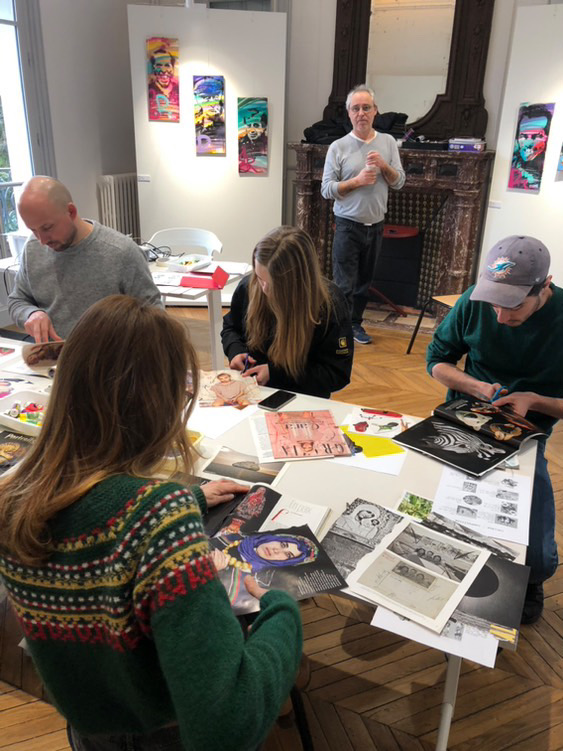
x,y
444,195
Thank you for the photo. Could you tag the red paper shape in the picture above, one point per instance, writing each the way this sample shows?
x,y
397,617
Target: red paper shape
x,y
201,280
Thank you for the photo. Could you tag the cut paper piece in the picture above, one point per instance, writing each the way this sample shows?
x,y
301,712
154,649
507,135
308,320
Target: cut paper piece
x,y
372,446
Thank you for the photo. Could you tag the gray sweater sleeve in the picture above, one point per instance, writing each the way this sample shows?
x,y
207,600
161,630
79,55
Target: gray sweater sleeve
x,y
64,284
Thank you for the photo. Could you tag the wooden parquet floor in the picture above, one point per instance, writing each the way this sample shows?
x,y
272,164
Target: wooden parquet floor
x,y
371,690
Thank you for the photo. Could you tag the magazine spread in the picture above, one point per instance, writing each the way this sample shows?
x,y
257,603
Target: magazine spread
x,y
500,423
250,543
298,435
475,436
390,560
13,447
493,604
418,573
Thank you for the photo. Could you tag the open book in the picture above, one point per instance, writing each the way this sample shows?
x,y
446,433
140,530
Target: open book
x,y
469,434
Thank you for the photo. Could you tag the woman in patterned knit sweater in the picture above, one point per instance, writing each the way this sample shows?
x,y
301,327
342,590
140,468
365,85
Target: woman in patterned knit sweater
x,y
109,570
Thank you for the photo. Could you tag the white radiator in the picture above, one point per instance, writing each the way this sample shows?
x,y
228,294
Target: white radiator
x,y
118,203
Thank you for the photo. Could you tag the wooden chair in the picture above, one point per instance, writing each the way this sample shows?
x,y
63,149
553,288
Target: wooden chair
x,y
447,301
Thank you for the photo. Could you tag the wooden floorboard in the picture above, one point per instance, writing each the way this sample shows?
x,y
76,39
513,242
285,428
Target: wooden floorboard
x,y
371,690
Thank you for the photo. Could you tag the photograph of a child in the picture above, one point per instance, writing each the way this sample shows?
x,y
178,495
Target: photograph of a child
x,y
227,388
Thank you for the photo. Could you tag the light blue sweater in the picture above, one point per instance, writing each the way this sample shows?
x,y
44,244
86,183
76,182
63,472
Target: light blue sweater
x,y
345,159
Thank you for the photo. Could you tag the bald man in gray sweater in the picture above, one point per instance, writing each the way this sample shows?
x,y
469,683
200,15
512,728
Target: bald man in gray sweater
x,y
70,264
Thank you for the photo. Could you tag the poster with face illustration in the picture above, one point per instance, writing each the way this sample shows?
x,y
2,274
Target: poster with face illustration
x,y
530,145
559,172
209,115
162,80
252,136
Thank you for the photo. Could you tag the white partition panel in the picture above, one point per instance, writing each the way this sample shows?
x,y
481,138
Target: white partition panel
x,y
178,188
535,75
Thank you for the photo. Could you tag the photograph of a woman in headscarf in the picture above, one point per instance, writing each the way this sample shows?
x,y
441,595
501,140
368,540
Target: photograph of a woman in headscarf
x,y
261,556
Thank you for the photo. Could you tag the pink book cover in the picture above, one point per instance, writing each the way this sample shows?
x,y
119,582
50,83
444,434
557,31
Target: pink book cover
x,y
305,435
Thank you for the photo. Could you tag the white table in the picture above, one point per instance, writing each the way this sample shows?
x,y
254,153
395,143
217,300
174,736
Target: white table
x,y
191,294
327,483
9,267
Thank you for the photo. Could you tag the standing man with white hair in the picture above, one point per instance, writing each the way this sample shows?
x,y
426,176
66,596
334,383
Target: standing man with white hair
x,y
70,263
359,170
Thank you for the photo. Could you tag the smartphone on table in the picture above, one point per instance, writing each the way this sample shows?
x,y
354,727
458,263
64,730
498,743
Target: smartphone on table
x,y
276,400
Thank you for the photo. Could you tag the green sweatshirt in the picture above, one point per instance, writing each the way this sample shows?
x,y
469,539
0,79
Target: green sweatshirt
x,y
130,628
528,357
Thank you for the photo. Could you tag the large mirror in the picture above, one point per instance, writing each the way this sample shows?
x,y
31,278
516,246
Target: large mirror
x,y
460,110
409,82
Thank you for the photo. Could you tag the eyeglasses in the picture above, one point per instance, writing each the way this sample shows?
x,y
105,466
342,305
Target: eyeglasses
x,y
362,108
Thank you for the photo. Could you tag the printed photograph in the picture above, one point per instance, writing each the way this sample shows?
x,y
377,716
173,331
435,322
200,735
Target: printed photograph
x,y
227,388
243,467
356,532
415,506
291,559
436,554
41,354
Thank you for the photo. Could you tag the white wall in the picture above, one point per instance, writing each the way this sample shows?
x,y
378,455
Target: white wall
x,y
248,48
518,212
309,76
89,81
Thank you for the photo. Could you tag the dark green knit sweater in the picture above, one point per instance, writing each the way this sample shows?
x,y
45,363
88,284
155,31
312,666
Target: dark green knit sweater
x,y
521,358
130,628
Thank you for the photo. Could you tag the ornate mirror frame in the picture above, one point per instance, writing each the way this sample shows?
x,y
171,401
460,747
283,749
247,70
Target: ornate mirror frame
x,y
460,111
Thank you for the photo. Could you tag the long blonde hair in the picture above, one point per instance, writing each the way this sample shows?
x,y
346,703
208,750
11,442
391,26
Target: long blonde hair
x,y
296,300
116,407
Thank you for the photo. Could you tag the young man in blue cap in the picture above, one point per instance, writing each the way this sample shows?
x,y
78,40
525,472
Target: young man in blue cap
x,y
510,326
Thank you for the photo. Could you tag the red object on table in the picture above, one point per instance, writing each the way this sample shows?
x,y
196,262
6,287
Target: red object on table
x,y
201,280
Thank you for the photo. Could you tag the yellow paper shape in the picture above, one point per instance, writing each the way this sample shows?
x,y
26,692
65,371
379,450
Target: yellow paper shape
x,y
373,445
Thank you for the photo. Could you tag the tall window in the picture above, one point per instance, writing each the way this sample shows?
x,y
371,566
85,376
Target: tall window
x,y
15,156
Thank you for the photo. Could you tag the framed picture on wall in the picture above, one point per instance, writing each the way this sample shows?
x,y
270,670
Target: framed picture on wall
x,y
162,80
252,136
559,171
209,115
530,145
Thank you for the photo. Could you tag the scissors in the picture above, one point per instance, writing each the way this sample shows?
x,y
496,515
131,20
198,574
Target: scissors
x,y
245,363
497,393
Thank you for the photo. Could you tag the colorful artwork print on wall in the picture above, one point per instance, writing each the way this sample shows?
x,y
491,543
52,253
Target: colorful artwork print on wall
x,y
530,144
252,136
209,115
162,77
559,172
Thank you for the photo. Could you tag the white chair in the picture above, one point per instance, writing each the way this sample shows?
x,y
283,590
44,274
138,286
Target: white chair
x,y
187,240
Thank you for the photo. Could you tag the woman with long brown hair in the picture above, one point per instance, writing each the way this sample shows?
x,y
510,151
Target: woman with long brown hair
x,y
288,325
109,569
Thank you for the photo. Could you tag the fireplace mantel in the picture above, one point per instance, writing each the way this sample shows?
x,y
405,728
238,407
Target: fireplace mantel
x,y
444,193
